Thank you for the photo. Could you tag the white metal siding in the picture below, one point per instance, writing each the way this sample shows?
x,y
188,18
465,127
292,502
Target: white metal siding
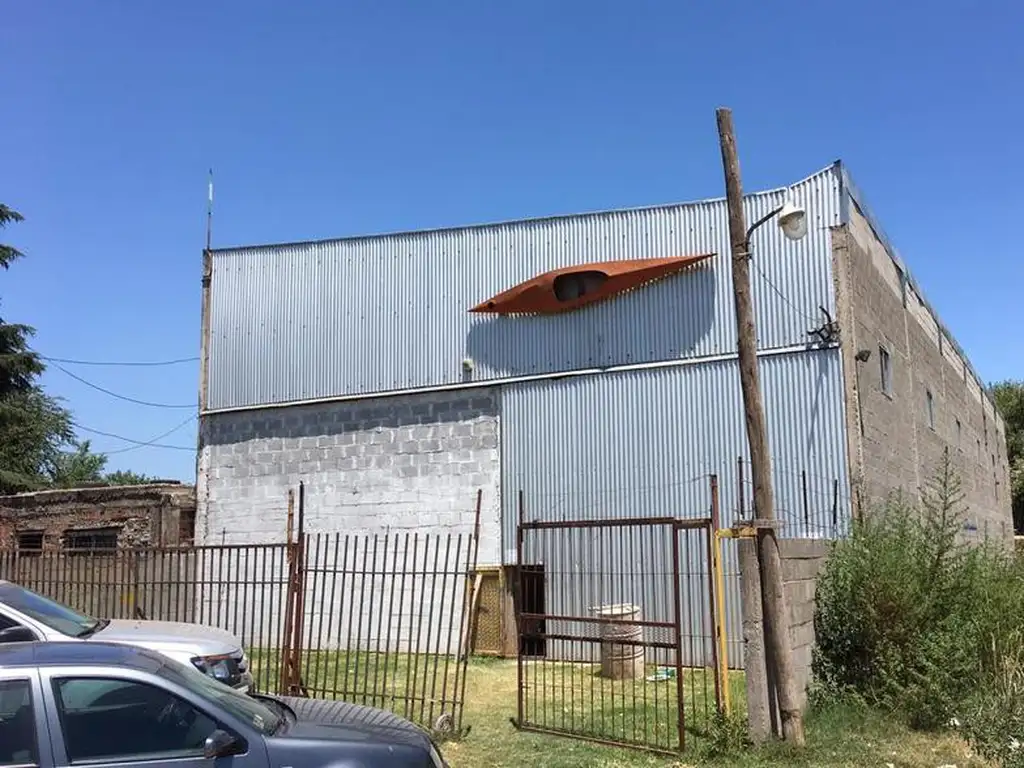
x,y
643,444
385,313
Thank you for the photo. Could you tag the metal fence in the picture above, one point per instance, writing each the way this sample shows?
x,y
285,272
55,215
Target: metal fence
x,y
378,620
618,630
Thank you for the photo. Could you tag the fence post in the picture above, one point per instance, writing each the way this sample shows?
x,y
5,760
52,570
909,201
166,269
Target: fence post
x,y
755,662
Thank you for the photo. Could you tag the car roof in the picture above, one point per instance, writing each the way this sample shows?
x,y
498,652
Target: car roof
x,y
91,653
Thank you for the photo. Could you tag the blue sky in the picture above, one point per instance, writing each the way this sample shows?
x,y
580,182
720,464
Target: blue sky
x,y
326,119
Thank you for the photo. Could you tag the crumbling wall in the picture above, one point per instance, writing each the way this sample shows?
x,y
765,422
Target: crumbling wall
x,y
155,514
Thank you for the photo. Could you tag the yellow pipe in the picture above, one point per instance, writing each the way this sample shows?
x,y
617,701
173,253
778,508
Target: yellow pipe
x,y
723,644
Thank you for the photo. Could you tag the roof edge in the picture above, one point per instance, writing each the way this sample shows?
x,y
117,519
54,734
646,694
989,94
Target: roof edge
x,y
850,192
831,168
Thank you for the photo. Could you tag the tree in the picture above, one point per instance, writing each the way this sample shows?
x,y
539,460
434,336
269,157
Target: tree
x,y
127,477
19,366
1009,397
34,427
33,430
73,469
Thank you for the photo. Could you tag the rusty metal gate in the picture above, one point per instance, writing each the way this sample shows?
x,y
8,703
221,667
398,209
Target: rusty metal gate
x,y
375,619
618,630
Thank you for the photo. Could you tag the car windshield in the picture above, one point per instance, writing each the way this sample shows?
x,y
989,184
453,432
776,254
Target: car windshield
x,y
46,611
244,707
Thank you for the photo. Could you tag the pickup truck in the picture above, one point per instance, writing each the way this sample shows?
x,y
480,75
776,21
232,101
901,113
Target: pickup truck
x,y
26,616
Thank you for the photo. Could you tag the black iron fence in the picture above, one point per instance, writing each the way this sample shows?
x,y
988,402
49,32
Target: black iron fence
x,y
618,630
378,619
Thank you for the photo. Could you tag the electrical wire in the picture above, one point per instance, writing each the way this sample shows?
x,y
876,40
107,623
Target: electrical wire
x,y
98,388
782,296
130,363
152,443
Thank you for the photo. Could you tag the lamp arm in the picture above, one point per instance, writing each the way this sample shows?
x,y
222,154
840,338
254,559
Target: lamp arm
x,y
761,221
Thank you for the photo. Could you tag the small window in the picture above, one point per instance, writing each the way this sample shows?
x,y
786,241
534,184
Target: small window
x,y
18,742
111,720
885,370
91,540
930,408
959,435
30,543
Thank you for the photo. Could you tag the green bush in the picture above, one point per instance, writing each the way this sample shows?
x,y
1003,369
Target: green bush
x,y
912,620
994,719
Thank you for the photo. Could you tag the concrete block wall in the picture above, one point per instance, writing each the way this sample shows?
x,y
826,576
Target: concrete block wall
x,y
802,561
385,466
893,443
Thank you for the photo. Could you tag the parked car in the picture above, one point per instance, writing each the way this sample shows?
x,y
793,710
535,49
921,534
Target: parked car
x,y
26,616
63,703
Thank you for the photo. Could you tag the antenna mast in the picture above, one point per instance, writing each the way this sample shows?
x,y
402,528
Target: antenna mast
x,y
209,212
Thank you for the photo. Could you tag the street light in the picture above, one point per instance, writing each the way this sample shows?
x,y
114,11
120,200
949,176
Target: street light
x,y
792,222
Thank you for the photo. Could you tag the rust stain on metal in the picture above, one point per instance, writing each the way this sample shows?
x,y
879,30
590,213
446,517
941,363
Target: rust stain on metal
x,y
569,288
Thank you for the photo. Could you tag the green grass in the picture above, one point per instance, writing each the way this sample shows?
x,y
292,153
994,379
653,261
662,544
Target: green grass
x,y
416,686
575,698
837,737
561,696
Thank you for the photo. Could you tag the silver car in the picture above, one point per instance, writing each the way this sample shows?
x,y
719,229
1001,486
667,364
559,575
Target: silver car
x,y
28,616
65,704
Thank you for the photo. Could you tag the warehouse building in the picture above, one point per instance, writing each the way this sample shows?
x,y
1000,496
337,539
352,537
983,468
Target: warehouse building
x,y
357,366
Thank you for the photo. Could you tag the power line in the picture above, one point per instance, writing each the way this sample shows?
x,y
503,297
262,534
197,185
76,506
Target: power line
x,y
122,363
152,443
98,388
781,295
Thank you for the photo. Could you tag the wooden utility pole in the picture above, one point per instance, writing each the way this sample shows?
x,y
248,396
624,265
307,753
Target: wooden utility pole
x,y
780,654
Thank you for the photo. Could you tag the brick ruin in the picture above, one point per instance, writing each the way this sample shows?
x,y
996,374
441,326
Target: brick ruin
x,y
155,514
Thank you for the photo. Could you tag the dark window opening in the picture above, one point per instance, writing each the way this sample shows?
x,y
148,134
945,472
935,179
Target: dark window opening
x,y
30,542
18,738
930,405
959,432
885,370
532,642
576,284
187,527
91,540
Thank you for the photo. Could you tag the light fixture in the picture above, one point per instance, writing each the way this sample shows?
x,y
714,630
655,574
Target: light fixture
x,y
793,221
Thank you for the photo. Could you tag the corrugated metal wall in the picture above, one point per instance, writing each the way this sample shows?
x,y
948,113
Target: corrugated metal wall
x,y
379,314
644,442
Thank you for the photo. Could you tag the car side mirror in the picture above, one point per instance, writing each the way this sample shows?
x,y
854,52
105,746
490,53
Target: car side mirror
x,y
18,634
220,744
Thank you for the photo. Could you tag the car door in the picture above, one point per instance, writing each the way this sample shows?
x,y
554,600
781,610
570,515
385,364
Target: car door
x,y
23,741
120,720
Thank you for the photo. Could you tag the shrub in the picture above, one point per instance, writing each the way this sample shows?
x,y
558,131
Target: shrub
x,y
912,620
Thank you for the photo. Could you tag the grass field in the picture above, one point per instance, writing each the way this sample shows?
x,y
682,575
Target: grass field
x,y
572,697
842,737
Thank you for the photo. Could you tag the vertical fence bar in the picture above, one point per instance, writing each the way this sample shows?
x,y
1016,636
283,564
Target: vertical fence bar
x,y
677,618
835,507
718,596
471,565
518,608
807,508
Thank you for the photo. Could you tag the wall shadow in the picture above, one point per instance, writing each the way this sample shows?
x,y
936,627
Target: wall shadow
x,y
665,320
